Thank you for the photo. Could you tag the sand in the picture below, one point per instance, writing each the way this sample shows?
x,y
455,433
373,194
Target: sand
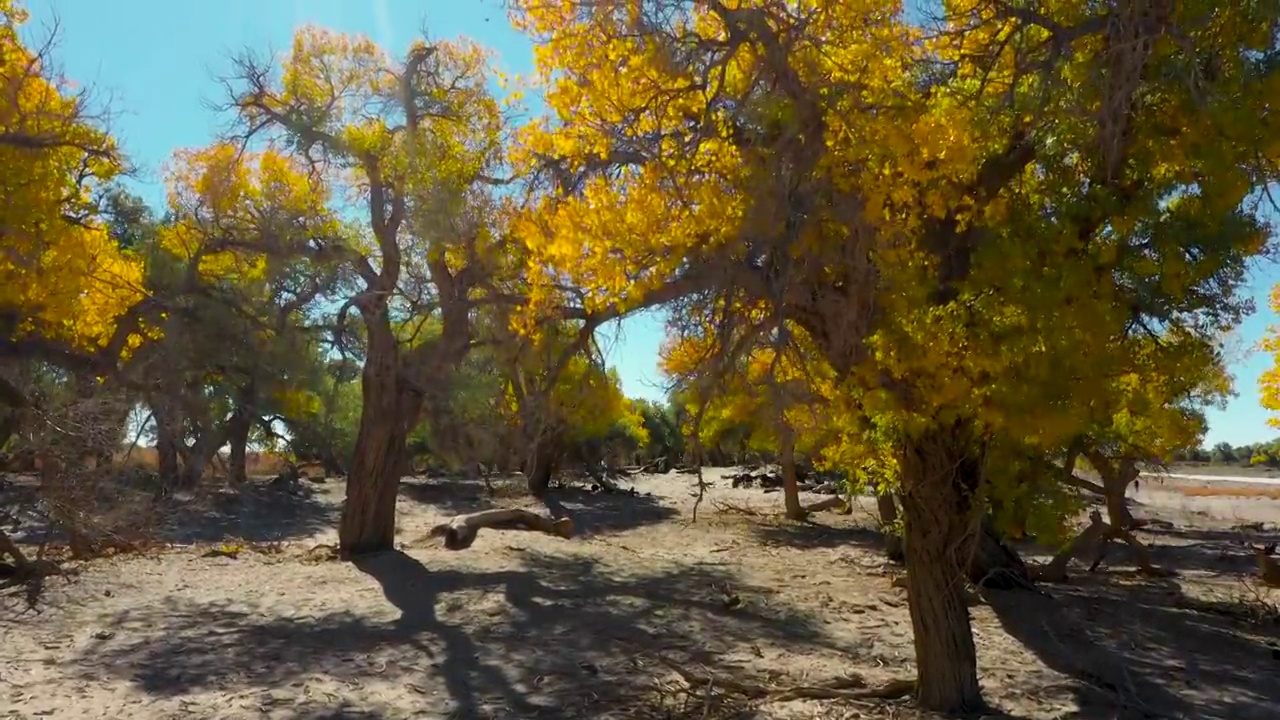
x,y
523,625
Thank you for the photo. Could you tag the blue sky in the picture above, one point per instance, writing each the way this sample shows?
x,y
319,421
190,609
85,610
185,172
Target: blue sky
x,y
158,62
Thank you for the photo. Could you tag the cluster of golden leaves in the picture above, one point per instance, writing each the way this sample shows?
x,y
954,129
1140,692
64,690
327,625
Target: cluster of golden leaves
x,y
62,277
1032,346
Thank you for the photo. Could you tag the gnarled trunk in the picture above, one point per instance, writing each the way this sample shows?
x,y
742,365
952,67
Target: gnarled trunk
x,y
940,478
368,522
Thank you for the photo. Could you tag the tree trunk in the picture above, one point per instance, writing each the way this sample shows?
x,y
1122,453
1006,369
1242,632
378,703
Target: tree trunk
x,y
389,411
369,516
238,436
1116,479
332,466
167,439
888,508
940,478
540,468
790,483
197,460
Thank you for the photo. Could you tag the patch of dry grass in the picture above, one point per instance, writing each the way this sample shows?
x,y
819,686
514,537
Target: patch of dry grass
x,y
258,464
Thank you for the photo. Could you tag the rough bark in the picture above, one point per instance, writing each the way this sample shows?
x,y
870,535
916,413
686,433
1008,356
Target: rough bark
x,y
790,483
368,522
940,477
460,532
888,509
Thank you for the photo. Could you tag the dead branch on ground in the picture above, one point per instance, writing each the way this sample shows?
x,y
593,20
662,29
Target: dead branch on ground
x,y
460,532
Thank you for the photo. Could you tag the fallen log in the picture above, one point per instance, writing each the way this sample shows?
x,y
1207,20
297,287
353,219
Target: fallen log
x,y
460,532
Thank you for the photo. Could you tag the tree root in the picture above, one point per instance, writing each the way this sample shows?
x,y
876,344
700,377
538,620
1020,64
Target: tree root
x,y
849,688
460,532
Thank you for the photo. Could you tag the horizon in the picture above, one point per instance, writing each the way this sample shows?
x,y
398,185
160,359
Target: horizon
x,y
160,86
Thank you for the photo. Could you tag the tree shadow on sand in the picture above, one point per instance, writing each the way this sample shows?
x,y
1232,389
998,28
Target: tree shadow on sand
x,y
255,511
815,534
1142,649
567,638
593,513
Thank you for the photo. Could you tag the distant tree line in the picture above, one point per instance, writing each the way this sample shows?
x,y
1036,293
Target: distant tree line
x,y
1266,454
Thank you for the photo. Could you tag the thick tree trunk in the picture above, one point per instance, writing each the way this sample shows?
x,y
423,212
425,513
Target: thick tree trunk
x,y
940,478
369,515
238,436
368,522
888,509
790,484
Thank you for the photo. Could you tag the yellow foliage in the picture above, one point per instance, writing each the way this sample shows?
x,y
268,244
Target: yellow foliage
x,y
233,209
62,277
709,121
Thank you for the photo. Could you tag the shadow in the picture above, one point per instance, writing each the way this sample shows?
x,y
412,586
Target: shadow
x,y
1192,549
807,535
1142,649
554,638
451,496
596,513
593,512
257,511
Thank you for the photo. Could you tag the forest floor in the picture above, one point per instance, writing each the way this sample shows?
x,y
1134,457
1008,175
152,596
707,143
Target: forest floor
x,y
523,625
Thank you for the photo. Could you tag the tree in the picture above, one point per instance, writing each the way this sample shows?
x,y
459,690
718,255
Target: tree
x,y
1223,453
415,142
231,268
666,440
65,284
564,403
767,388
962,220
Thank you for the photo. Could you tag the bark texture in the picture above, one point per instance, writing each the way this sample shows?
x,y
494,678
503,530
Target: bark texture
x,y
940,477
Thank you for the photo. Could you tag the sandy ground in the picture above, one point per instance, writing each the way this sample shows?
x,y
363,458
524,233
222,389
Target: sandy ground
x,y
523,625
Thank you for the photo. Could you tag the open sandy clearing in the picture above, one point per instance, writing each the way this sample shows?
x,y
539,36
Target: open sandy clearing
x,y
528,626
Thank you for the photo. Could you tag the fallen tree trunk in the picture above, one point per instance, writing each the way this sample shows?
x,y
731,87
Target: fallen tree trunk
x,y
460,532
